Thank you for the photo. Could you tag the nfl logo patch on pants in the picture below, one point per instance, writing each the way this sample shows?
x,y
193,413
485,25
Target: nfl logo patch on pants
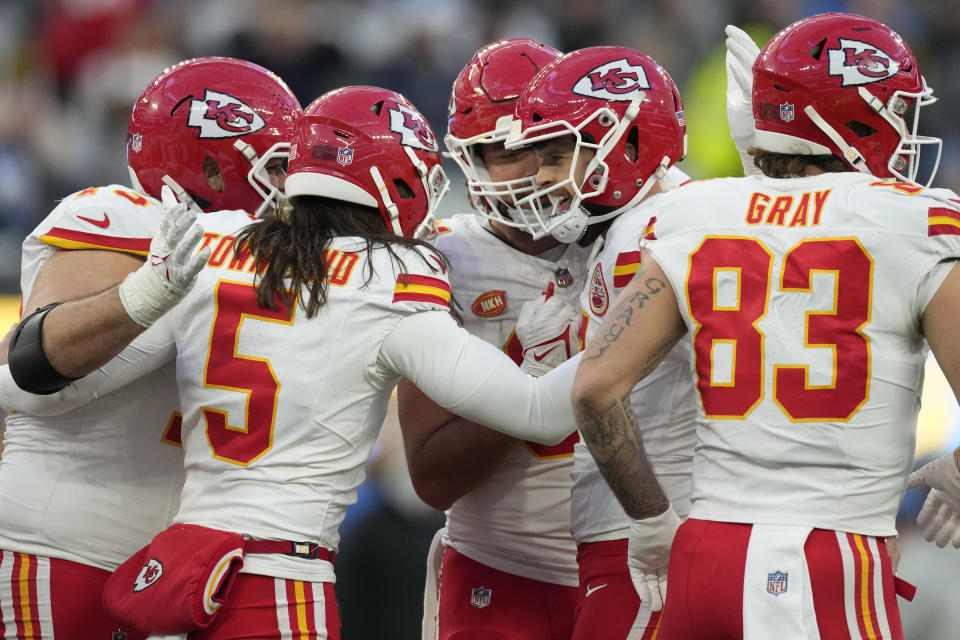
x,y
480,597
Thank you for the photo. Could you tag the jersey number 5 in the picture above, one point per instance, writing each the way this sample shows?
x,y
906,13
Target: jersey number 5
x,y
254,377
732,326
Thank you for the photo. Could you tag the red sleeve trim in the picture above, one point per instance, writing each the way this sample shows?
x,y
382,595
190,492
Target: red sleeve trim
x,y
69,239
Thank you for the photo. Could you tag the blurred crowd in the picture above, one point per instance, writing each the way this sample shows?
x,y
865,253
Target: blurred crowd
x,y
70,69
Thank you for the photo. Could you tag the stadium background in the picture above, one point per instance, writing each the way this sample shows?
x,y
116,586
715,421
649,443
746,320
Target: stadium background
x,y
71,69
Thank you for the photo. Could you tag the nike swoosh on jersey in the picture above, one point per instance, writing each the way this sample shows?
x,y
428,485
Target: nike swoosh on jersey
x,y
103,224
592,589
539,357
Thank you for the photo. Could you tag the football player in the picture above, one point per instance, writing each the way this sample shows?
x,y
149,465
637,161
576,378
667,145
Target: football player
x,y
81,491
810,295
509,562
608,126
289,345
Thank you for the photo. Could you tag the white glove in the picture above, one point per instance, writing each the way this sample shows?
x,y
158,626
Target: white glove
x,y
547,329
648,552
170,269
942,473
741,53
940,519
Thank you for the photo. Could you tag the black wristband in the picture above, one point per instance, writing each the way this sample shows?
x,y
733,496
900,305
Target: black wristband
x,y
28,362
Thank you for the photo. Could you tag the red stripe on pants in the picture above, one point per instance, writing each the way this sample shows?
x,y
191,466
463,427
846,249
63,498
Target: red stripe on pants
x,y
823,557
311,618
16,588
292,603
332,621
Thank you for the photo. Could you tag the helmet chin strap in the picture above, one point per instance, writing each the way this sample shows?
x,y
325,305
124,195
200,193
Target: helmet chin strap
x,y
850,152
392,210
182,195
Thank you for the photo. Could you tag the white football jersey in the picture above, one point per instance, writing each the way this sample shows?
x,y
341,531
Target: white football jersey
x,y
663,403
275,447
803,299
518,520
95,484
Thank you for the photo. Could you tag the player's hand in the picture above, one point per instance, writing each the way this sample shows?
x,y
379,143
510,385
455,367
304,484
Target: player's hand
x,y
939,519
942,473
171,268
741,53
547,329
648,553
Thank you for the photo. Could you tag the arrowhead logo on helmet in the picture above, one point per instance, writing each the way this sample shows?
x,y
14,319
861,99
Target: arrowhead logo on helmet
x,y
220,115
615,80
860,63
414,132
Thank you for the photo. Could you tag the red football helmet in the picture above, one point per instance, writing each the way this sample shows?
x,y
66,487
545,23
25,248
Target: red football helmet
x,y
605,97
205,110
372,147
841,84
480,111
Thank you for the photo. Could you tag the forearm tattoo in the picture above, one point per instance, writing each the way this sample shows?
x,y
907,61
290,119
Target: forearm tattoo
x,y
622,315
615,444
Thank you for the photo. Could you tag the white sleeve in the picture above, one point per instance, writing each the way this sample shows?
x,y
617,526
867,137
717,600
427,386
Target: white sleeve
x,y
150,350
474,379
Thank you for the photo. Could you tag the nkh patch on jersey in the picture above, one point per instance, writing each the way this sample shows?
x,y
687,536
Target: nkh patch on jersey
x,y
490,304
415,288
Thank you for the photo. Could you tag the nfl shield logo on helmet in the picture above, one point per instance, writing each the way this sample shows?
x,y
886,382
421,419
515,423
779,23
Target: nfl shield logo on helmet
x,y
345,156
786,112
136,142
777,582
480,597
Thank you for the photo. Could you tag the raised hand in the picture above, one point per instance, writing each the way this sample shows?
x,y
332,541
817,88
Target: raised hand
x,y
171,268
741,54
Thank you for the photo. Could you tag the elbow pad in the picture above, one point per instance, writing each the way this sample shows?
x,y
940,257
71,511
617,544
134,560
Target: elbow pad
x,y
29,366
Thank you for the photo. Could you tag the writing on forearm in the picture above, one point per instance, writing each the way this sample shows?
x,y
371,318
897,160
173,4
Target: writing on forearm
x,y
622,315
615,444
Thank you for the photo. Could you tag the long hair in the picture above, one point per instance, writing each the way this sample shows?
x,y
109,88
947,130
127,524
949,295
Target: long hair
x,y
290,251
787,165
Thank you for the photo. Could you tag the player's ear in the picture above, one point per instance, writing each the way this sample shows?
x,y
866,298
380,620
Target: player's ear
x,y
211,171
630,148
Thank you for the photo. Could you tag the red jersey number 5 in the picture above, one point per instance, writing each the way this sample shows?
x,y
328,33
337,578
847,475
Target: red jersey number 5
x,y
226,369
